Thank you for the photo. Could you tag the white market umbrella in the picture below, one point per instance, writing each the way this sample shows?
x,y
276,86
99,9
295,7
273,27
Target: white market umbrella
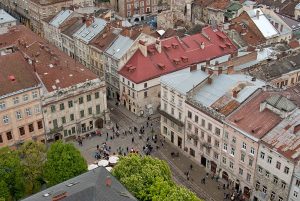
x,y
109,169
113,159
92,166
103,163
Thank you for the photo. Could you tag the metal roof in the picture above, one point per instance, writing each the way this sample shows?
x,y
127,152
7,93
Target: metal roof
x,y
86,34
119,47
223,84
60,18
282,103
262,23
5,17
184,80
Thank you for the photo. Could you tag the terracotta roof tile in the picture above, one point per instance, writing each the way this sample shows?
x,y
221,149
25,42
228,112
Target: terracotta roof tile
x,y
187,49
54,67
220,4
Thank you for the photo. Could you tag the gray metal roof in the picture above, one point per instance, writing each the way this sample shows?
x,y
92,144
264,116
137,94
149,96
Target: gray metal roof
x,y
5,17
119,47
223,84
184,80
282,103
86,34
89,186
60,18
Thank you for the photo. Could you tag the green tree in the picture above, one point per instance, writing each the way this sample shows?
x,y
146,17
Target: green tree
x,y
33,156
4,191
11,172
64,161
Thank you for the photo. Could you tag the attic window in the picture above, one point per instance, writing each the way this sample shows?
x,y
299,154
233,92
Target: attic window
x,y
130,67
167,46
185,59
161,66
176,60
222,46
174,45
12,78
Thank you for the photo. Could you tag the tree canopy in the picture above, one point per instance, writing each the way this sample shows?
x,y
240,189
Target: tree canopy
x,y
64,161
148,178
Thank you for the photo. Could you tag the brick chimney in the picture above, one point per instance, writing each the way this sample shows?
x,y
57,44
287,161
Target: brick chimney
x,y
234,93
193,68
158,45
220,70
143,47
209,80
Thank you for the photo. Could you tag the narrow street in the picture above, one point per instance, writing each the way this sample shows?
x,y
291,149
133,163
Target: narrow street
x,y
179,165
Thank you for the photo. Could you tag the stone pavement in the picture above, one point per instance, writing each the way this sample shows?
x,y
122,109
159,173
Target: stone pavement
x,y
179,165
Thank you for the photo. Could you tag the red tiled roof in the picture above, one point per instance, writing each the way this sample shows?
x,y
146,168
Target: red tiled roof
x,y
219,4
53,66
294,44
187,47
249,118
15,74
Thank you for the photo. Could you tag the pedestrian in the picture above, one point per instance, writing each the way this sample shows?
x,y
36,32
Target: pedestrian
x,y
147,124
97,146
132,139
219,187
106,134
148,118
127,149
191,166
224,186
188,177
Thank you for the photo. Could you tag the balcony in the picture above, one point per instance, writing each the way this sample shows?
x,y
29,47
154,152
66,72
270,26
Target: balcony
x,y
193,136
56,130
172,118
206,145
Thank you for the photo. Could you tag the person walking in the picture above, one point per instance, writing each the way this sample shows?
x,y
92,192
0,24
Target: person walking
x,y
132,139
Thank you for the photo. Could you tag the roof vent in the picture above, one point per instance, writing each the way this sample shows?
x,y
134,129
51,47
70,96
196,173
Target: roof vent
x,y
130,67
185,59
255,130
161,66
167,46
176,61
174,45
238,119
12,78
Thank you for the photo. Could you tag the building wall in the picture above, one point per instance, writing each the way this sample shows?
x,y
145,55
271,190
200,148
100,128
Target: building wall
x,y
233,151
208,131
29,106
297,14
295,185
68,45
74,111
287,80
97,63
271,182
215,16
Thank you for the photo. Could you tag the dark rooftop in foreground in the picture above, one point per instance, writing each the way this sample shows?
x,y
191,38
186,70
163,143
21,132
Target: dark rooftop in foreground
x,y
90,186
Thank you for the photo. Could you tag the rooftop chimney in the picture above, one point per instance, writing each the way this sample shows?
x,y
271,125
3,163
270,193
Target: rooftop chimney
x,y
230,69
143,47
108,181
158,45
235,93
202,45
209,80
220,70
193,68
12,78
257,14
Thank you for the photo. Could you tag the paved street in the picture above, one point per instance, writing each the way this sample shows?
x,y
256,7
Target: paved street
x,y
179,165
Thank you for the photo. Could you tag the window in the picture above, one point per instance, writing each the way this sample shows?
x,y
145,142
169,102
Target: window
x,y
244,146
208,139
202,134
260,169
295,194
172,111
250,162
209,126
73,130
264,189
145,85
70,103
217,131
280,199
18,115
98,109
62,106
203,123
179,115
90,111
189,126
71,117
40,124
231,165
189,114
1,139
145,94
52,108
262,155
278,165
37,109
82,113
283,184
226,135
192,152
275,180
224,160
97,95
5,119
16,100
2,106
257,185
267,174
243,156
22,131
286,170
196,118
240,171
30,128
25,97
80,100
233,139
34,94
179,103
248,178
225,147
298,183
269,159
196,131
63,120
272,195
217,144
172,98
88,98
9,135
252,151
28,112
232,151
